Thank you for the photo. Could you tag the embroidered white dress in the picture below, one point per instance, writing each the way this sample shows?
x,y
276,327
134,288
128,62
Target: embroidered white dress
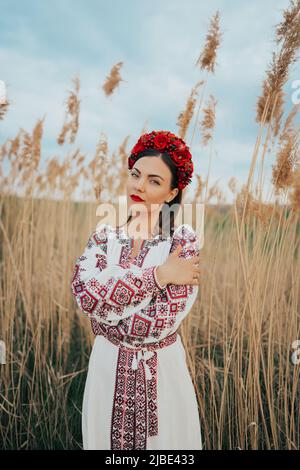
x,y
138,392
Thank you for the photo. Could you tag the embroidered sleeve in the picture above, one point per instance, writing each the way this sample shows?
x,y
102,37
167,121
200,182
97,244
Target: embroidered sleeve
x,y
174,301
113,292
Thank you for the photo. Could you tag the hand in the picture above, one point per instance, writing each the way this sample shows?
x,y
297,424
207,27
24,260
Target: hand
x,y
177,270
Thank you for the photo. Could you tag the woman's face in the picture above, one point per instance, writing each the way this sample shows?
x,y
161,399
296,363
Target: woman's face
x,y
153,189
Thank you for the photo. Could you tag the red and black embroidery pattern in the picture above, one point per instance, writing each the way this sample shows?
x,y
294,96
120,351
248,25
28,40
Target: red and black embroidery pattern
x,y
134,412
92,295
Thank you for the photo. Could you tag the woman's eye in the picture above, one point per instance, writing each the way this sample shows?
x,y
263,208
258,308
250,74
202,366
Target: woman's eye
x,y
156,182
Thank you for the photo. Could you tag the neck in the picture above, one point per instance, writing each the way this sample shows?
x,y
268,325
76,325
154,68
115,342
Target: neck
x,y
146,222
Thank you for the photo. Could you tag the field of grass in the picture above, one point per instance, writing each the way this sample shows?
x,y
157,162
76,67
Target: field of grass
x,y
238,335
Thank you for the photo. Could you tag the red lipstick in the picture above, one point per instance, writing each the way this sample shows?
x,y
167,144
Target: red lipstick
x,y
136,198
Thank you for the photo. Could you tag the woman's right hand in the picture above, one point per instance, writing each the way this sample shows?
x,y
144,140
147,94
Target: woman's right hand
x,y
177,270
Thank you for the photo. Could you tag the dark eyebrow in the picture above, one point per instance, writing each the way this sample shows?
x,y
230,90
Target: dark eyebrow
x,y
149,175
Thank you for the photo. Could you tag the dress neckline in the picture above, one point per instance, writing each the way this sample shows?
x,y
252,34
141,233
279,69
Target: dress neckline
x,y
144,240
120,231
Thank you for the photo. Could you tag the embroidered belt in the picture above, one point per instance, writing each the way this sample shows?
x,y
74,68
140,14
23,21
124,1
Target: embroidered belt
x,y
134,411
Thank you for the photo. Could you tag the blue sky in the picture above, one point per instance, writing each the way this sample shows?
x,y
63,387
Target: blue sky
x,y
44,43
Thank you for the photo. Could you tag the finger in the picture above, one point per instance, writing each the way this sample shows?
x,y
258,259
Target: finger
x,y
193,259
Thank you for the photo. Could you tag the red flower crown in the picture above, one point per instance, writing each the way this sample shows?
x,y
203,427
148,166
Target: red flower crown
x,y
165,141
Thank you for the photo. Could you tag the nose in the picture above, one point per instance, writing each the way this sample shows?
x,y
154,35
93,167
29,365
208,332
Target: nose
x,y
139,185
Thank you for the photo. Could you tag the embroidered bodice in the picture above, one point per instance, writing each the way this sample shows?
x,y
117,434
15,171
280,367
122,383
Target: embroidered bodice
x,y
127,297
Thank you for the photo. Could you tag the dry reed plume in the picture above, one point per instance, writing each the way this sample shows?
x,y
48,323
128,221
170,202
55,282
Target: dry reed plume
x,y
207,58
113,80
288,36
72,112
184,118
288,157
208,122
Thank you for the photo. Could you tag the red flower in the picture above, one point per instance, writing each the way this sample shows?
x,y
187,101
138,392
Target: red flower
x,y
144,139
160,141
178,144
138,148
186,153
179,158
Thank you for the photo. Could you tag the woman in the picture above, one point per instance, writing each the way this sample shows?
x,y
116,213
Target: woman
x,y
136,290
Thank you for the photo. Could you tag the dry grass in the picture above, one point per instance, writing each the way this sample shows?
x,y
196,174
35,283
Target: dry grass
x,y
72,113
239,334
113,80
